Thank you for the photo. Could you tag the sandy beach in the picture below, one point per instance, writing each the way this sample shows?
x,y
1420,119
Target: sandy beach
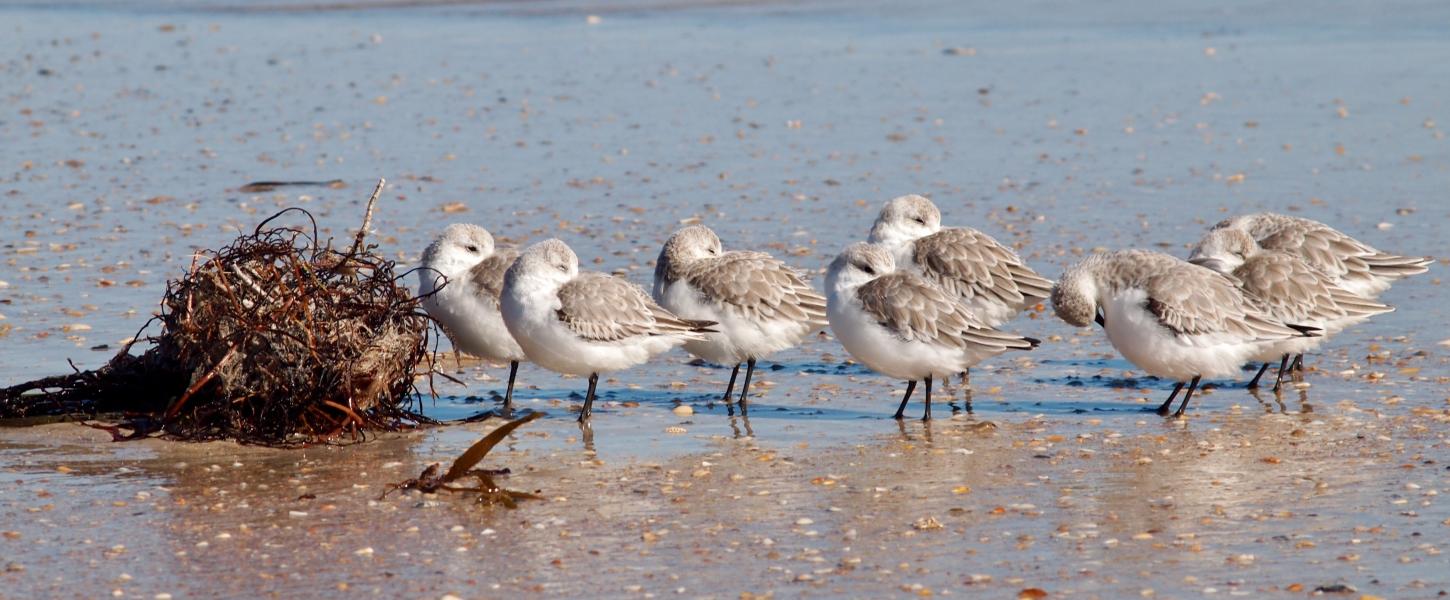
x,y
129,129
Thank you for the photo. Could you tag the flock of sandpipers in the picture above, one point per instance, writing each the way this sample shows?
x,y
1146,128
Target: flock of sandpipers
x,y
913,302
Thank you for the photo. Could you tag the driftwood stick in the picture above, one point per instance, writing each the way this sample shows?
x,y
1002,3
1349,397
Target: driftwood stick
x,y
367,223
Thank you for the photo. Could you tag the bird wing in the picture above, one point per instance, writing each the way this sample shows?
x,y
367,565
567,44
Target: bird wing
x,y
1339,255
603,308
1192,301
487,275
970,264
1292,291
915,310
757,286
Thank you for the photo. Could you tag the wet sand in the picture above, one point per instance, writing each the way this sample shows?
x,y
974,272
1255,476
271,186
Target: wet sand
x,y
130,131
1238,503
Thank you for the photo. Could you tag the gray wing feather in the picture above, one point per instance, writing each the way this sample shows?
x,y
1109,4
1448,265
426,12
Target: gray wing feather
x,y
1195,301
487,276
603,308
1336,253
915,310
971,264
1292,291
757,286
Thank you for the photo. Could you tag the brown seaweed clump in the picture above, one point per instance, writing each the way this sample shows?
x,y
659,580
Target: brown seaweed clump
x,y
277,338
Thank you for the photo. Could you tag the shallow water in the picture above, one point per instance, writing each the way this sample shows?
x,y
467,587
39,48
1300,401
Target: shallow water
x,y
128,131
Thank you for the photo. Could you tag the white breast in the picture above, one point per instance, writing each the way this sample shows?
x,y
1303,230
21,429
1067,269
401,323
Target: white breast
x,y
1136,333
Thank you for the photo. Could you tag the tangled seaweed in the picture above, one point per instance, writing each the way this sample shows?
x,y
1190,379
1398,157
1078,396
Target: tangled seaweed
x,y
275,339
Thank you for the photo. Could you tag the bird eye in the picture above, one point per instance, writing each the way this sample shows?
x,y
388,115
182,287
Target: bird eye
x,y
920,220
867,269
563,268
471,248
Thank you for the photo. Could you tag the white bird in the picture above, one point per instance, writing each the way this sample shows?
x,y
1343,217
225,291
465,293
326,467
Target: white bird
x,y
460,280
1291,291
903,326
585,323
1354,265
1172,319
761,305
983,273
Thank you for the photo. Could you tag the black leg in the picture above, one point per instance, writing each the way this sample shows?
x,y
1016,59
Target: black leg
x,y
589,398
1298,363
926,416
745,389
1168,404
966,378
1254,384
1279,378
1187,397
508,395
910,385
729,388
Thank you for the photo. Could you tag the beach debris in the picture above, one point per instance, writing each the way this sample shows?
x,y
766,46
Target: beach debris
x,y
277,339
267,186
1335,588
926,524
430,482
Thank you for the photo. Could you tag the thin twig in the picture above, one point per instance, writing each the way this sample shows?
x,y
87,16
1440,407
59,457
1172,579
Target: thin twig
x,y
357,242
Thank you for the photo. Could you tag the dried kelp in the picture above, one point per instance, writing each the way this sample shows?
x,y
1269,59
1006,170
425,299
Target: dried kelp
x,y
277,338
429,482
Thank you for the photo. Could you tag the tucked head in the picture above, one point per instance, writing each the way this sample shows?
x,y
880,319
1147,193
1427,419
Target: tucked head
x,y
1223,249
691,243
461,246
1254,221
859,263
1075,295
551,260
904,219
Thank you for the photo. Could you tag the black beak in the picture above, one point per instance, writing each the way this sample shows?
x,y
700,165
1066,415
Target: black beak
x,y
1098,318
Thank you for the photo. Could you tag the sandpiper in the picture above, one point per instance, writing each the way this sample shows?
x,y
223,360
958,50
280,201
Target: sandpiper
x,y
460,280
1173,319
761,305
902,325
585,323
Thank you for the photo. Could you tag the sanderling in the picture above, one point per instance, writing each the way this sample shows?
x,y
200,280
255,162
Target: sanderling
x,y
585,323
1289,290
903,326
467,307
1354,265
1172,319
761,305
986,275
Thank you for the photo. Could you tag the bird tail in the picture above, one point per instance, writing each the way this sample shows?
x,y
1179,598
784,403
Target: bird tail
x,y
698,326
1306,330
1397,267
